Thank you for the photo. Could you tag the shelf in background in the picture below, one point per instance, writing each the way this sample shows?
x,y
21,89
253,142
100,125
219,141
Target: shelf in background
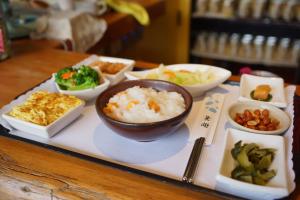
x,y
250,61
265,27
290,75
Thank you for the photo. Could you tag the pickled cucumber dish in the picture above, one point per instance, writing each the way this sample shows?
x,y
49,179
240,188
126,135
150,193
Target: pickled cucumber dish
x,y
182,77
253,163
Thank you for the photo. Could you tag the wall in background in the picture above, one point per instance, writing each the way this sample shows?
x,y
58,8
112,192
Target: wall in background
x,y
166,40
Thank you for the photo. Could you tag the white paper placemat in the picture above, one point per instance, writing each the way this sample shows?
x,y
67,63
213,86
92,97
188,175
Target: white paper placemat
x,y
166,157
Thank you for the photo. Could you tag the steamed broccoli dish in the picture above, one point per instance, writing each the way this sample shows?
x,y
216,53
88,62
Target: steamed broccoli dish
x,y
81,78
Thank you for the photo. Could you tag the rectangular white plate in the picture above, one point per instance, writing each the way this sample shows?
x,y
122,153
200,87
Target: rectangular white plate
x,y
275,188
45,131
249,83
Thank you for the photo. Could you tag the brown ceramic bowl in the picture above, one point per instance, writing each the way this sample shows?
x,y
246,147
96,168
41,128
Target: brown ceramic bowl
x,y
144,131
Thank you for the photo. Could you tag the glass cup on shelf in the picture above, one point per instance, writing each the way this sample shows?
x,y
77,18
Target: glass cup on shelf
x,y
259,47
270,49
201,7
244,8
201,46
246,48
212,42
296,52
234,44
288,10
283,50
258,7
214,7
297,11
275,8
222,44
228,8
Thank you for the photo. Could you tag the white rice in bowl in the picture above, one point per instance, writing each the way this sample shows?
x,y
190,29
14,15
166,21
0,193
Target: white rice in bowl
x,y
143,105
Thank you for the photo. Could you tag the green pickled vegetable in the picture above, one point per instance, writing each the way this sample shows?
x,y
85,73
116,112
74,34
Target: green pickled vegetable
x,y
243,158
252,163
80,78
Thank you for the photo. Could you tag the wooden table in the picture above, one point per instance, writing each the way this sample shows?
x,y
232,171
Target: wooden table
x,y
31,172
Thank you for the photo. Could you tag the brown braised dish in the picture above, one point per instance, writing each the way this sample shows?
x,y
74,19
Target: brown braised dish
x,y
108,67
257,119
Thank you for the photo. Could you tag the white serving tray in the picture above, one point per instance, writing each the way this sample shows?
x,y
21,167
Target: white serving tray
x,y
167,157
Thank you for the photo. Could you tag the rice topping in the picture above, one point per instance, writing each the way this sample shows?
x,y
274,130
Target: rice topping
x,y
143,105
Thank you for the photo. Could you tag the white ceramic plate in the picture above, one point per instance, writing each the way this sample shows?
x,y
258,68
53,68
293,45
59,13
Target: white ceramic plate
x,y
45,131
196,90
86,94
113,78
276,188
275,112
249,83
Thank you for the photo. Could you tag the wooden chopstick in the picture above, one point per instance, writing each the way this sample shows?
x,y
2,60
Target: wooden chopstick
x,y
191,167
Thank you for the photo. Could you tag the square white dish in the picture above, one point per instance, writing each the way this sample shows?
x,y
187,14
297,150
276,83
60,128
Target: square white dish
x,y
197,89
113,78
49,130
249,83
274,189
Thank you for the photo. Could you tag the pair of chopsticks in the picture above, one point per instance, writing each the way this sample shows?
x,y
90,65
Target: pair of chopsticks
x,y
191,167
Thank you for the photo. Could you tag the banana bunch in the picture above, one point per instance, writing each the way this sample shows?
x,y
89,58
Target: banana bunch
x,y
139,12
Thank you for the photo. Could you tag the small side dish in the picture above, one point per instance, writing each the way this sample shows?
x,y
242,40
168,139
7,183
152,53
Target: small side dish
x,y
108,67
144,105
112,68
257,120
268,90
44,113
258,117
262,93
83,77
253,166
253,163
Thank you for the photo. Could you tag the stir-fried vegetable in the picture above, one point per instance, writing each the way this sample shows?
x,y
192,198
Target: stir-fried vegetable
x,y
81,78
253,163
182,77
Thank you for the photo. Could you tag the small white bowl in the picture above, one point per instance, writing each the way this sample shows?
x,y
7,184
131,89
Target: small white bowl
x,y
86,94
249,83
113,78
275,112
276,188
45,131
196,90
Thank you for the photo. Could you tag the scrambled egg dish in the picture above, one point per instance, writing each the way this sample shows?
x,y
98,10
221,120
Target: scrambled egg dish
x,y
43,108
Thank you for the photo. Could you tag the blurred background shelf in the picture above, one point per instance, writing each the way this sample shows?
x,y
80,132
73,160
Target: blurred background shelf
x,y
280,29
265,27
